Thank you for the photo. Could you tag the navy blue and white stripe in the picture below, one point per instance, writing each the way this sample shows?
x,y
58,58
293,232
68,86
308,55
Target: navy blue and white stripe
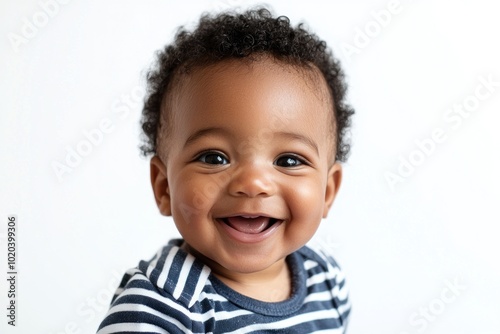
x,y
176,293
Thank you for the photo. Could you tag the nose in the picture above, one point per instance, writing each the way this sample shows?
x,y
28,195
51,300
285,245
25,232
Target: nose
x,y
252,180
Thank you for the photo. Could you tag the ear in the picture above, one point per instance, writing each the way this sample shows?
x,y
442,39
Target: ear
x,y
332,186
159,182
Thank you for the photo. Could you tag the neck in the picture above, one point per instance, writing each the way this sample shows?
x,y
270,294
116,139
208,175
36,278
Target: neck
x,y
274,284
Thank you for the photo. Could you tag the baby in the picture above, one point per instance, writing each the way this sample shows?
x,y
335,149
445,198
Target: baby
x,y
246,120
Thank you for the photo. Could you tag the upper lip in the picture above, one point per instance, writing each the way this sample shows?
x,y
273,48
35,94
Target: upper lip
x,y
249,215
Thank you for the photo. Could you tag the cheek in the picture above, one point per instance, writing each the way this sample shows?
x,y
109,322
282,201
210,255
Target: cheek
x,y
305,200
194,196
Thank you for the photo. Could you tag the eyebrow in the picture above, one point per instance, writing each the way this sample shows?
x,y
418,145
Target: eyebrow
x,y
296,136
203,133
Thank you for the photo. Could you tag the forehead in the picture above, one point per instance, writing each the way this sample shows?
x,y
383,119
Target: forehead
x,y
237,73
263,93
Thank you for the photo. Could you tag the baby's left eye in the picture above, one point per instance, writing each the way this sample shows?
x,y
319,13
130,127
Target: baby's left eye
x,y
289,161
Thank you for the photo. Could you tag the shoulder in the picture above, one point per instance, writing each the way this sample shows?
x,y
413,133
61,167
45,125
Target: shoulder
x,y
161,296
325,277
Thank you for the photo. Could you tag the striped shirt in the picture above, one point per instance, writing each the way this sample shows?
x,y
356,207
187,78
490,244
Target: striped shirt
x,y
176,293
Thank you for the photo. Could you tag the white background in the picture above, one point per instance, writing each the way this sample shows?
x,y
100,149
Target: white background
x,y
400,246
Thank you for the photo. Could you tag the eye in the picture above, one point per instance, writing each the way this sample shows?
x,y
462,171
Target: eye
x,y
289,161
212,158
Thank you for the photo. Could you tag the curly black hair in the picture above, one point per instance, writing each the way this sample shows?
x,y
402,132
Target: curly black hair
x,y
230,35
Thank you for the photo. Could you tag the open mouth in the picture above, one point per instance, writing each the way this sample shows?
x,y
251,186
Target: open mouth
x,y
250,224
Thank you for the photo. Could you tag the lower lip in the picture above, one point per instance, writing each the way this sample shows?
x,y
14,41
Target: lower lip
x,y
248,237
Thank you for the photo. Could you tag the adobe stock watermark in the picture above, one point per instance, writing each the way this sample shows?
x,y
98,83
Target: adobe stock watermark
x,y
94,137
453,119
31,26
325,242
218,6
426,314
363,36
92,307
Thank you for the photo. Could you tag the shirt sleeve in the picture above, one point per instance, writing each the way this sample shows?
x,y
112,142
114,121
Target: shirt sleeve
x,y
139,307
336,279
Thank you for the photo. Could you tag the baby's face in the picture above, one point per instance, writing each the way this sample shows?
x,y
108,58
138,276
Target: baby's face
x,y
247,173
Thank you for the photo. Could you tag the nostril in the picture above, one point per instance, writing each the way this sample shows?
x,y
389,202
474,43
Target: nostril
x,y
251,181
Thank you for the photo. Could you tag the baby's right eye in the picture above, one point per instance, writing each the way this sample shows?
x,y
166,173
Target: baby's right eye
x,y
213,158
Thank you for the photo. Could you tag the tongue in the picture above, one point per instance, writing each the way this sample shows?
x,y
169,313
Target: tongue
x,y
249,225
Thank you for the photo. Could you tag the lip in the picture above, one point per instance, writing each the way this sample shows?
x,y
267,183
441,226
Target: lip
x,y
248,238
